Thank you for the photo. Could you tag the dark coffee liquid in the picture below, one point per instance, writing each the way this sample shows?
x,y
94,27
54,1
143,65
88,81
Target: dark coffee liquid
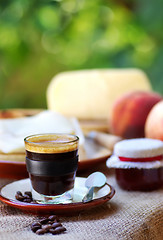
x,y
52,186
140,179
51,156
55,184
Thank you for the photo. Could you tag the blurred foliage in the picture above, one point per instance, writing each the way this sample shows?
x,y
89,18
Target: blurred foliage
x,y
40,38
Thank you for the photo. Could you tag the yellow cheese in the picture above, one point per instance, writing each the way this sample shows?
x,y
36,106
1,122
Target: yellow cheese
x,y
89,94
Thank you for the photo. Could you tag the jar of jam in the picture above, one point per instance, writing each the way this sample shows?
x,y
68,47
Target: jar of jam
x,y
138,164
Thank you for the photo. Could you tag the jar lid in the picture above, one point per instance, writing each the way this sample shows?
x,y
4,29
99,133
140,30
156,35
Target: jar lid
x,y
139,148
141,153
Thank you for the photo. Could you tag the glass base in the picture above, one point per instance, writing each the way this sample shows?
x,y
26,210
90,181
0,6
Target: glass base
x,y
59,199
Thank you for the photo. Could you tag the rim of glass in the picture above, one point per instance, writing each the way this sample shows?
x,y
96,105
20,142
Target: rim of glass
x,y
59,134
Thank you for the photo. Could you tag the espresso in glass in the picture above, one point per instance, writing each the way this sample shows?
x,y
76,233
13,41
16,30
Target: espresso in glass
x,y
52,161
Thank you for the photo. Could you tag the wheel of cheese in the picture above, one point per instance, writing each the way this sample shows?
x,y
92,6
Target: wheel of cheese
x,y
89,94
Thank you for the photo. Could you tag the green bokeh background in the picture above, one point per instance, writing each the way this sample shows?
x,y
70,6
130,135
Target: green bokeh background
x,y
39,39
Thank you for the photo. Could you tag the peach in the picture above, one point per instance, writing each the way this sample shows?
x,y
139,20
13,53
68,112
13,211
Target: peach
x,y
129,113
154,122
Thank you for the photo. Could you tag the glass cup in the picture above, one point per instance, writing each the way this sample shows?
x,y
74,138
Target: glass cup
x,y
52,161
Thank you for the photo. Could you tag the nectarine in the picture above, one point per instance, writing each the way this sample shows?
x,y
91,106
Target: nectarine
x,y
129,113
154,122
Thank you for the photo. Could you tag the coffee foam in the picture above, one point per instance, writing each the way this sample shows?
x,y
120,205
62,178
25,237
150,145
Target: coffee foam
x,y
52,143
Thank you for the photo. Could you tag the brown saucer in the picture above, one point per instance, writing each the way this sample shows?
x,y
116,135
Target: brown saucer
x,y
7,195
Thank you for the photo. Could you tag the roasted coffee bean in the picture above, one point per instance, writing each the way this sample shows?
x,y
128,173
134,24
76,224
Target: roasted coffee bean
x,y
53,217
36,224
19,197
52,230
60,229
57,230
27,196
35,228
28,193
56,224
44,220
19,193
47,227
40,231
27,200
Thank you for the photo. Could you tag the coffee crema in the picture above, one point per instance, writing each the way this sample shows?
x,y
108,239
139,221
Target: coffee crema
x,y
51,143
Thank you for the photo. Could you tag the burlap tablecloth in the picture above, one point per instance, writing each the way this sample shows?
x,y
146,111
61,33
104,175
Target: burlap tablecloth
x,y
128,215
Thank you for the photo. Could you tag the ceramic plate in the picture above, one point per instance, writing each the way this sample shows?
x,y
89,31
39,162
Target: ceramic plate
x,y
7,195
95,154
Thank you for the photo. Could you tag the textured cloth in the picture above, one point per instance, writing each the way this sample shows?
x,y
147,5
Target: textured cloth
x,y
128,215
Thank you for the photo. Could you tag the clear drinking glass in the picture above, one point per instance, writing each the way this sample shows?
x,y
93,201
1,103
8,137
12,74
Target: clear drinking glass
x,y
52,161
